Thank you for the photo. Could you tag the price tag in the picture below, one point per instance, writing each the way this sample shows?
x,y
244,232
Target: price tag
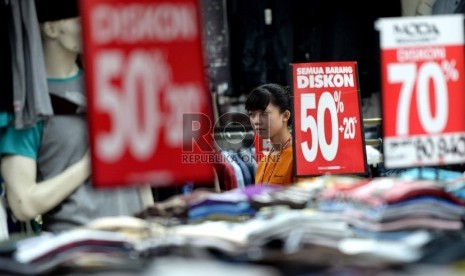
x,y
145,79
423,90
328,126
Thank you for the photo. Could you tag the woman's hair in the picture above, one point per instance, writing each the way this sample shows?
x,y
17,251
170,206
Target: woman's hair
x,y
260,97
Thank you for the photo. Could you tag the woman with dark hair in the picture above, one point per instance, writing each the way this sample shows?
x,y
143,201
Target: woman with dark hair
x,y
269,109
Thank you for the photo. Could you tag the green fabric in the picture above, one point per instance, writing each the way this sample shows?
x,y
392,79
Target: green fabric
x,y
67,79
5,118
24,142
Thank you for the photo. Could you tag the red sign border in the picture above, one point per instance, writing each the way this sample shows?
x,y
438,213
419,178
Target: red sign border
x,y
294,152
99,181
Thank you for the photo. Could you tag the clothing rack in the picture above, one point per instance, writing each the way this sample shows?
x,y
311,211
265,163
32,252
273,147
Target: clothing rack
x,y
234,139
236,134
370,122
240,134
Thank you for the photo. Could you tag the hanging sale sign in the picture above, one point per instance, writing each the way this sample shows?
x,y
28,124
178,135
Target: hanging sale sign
x,y
423,90
148,106
328,126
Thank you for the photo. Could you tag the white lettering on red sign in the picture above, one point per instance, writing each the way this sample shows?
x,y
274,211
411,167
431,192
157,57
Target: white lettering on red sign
x,y
134,23
422,75
191,101
419,54
328,76
328,132
145,76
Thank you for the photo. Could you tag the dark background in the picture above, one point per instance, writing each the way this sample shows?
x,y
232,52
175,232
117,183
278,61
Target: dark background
x,y
244,52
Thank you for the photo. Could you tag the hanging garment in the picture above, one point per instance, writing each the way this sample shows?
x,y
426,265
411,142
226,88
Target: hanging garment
x,y
30,95
445,6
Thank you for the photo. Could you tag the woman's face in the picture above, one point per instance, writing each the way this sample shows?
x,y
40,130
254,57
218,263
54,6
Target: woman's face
x,y
69,35
269,122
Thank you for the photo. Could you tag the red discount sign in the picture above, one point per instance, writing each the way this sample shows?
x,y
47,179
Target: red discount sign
x,y
328,125
146,91
423,90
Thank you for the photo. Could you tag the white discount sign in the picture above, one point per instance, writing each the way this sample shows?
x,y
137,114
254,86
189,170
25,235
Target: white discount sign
x,y
423,90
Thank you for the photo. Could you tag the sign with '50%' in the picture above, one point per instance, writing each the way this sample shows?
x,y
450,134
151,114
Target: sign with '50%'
x,y
328,127
144,70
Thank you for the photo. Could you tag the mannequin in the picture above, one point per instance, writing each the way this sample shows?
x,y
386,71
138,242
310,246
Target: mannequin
x,y
55,182
61,41
26,197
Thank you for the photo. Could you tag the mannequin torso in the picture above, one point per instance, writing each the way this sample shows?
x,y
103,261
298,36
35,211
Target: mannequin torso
x,y
53,180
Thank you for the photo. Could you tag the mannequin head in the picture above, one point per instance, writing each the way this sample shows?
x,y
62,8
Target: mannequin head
x,y
60,27
65,33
